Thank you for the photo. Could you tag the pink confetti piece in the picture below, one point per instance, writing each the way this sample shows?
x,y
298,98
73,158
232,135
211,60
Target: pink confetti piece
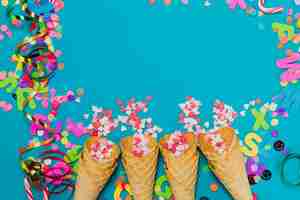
x,y
292,72
7,107
151,2
77,129
3,75
234,3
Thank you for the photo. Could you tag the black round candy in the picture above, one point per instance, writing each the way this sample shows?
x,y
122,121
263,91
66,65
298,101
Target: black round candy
x,y
279,145
204,198
267,175
251,180
14,96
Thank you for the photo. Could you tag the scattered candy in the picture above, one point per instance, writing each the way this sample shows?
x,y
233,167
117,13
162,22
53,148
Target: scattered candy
x,y
177,143
102,123
189,115
224,115
102,149
140,126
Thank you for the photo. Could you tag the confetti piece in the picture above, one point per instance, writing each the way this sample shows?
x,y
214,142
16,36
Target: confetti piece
x,y
274,122
4,3
214,187
7,107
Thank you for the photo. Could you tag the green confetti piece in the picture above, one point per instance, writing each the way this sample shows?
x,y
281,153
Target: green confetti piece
x,y
268,147
260,119
10,83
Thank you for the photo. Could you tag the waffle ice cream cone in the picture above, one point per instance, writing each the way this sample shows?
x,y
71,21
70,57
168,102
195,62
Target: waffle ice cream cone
x,y
228,166
140,170
182,170
93,174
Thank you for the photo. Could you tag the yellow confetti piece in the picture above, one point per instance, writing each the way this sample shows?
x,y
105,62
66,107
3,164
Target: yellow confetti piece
x,y
268,147
64,140
274,122
284,83
298,23
4,3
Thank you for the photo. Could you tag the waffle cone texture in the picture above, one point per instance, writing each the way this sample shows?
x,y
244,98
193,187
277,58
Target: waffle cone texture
x,y
140,170
182,170
92,174
229,167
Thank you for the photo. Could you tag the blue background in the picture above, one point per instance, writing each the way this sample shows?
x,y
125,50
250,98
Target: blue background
x,y
128,48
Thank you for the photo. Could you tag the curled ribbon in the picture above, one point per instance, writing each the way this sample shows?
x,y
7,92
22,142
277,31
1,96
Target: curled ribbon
x,y
285,180
274,10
